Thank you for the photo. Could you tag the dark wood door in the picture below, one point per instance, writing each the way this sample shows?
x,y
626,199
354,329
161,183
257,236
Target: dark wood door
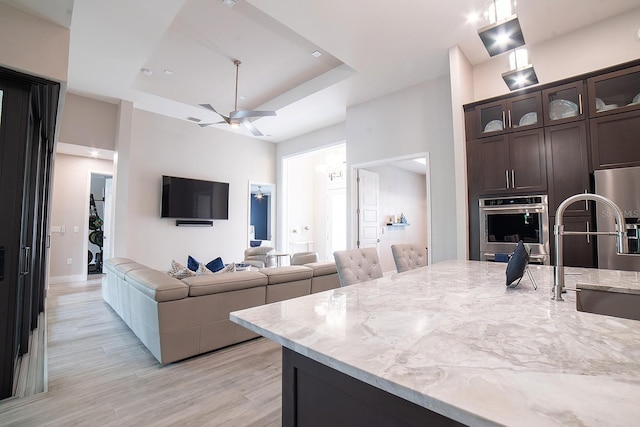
x,y
27,123
527,170
568,166
614,140
579,251
13,116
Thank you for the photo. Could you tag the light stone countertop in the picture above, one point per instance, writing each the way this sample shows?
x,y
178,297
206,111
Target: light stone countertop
x,y
452,338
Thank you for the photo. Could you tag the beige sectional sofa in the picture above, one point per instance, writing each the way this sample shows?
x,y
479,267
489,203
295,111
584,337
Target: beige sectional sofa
x,y
176,319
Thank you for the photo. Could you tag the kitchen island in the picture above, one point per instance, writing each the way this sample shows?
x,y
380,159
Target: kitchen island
x,y
452,340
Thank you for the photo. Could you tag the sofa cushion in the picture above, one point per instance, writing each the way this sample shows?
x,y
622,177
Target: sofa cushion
x,y
113,262
288,273
217,283
322,268
157,284
122,270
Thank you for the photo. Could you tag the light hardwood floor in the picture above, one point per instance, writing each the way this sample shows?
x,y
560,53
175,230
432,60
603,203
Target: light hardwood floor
x,y
100,374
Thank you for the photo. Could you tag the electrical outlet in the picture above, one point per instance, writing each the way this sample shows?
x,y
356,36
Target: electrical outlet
x,y
69,261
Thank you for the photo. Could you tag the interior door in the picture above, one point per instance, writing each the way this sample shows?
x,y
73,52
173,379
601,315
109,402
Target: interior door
x,y
367,209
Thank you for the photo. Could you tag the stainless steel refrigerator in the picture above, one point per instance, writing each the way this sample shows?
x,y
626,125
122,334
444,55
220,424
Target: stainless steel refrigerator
x,y
622,186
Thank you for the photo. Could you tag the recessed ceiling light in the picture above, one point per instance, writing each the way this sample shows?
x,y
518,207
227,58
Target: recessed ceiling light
x,y
229,3
146,71
94,153
168,72
316,53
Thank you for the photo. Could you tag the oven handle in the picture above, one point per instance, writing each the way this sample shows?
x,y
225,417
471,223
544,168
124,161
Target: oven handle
x,y
514,209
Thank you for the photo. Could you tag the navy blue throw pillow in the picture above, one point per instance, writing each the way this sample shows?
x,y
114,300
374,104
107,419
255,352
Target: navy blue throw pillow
x,y
517,264
215,265
192,263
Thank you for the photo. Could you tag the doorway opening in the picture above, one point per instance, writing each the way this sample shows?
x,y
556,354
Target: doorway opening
x,y
99,226
261,214
315,202
391,205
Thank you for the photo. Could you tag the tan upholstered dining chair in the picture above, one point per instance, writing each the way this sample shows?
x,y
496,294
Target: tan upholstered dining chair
x,y
357,265
409,256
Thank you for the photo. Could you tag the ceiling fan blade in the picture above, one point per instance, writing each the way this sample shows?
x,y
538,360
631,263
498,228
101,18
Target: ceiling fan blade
x,y
250,113
204,125
210,107
254,130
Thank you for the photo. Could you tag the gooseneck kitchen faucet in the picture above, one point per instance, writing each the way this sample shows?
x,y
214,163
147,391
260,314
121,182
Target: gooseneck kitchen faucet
x,y
622,246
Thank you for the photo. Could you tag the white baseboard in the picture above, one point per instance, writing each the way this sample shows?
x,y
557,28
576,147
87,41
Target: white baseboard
x,y
67,279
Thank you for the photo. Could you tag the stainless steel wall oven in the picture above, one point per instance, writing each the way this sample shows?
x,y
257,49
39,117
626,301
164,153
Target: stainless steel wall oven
x,y
505,221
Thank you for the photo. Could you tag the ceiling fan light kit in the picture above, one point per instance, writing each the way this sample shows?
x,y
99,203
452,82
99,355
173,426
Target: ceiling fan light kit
x,y
236,118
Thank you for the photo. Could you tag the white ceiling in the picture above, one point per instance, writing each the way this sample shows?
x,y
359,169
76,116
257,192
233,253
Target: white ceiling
x,y
370,48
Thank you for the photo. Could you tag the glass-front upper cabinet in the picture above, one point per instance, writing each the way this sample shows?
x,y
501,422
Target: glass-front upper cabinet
x,y
614,92
564,103
524,112
509,115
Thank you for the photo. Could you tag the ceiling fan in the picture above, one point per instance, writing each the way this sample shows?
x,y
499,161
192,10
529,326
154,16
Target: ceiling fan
x,y
238,117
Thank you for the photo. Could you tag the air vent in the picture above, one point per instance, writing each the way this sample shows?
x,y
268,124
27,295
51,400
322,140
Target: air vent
x,y
193,119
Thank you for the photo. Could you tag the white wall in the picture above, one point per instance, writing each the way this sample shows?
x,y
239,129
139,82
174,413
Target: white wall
x,y
161,145
88,122
69,208
32,45
414,120
400,192
461,75
606,43
302,201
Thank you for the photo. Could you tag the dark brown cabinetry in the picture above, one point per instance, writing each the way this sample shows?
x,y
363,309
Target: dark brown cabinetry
x,y
582,124
614,108
615,140
567,165
568,174
511,164
579,251
563,103
614,92
509,115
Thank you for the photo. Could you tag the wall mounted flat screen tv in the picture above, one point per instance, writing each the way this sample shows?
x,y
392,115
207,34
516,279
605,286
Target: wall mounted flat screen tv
x,y
186,198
